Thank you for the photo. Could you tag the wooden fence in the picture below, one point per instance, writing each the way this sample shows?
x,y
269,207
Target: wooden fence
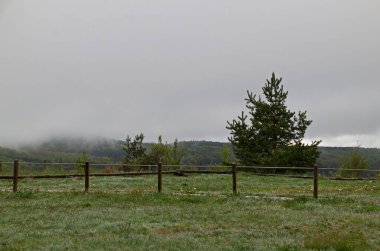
x,y
233,171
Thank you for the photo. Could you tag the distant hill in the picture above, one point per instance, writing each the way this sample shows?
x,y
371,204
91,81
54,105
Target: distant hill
x,y
198,152
67,150
203,152
332,157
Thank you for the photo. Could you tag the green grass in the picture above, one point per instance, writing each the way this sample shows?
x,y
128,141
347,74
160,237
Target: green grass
x,y
196,212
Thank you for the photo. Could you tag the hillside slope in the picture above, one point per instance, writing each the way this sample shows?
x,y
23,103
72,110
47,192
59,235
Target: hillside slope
x,y
197,152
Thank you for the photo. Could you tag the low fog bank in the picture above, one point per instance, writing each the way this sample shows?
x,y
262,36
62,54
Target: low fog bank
x,y
80,143
70,143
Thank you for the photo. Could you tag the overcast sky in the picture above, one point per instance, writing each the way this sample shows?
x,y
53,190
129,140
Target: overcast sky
x,y
181,68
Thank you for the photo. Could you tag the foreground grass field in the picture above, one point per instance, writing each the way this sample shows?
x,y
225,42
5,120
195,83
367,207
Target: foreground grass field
x,y
196,212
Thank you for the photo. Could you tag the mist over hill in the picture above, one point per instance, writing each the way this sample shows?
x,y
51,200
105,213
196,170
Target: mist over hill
x,y
103,150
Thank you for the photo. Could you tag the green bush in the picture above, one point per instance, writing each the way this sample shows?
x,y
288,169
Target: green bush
x,y
353,165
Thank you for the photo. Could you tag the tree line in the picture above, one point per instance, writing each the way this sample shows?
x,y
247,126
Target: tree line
x,y
137,153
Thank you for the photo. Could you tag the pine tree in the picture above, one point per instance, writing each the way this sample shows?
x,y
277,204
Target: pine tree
x,y
272,136
134,150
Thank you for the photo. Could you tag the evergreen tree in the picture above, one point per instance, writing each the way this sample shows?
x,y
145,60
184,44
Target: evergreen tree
x,y
272,136
134,150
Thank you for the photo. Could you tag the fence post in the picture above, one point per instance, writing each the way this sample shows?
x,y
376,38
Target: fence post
x,y
86,175
60,164
315,179
15,175
234,178
159,177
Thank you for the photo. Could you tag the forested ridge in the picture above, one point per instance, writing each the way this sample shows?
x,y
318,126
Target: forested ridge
x,y
197,152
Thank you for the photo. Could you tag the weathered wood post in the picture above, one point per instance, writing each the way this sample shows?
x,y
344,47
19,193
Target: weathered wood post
x,y
15,175
234,178
159,165
315,179
86,175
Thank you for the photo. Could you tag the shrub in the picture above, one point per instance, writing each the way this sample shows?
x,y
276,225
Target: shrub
x,y
352,166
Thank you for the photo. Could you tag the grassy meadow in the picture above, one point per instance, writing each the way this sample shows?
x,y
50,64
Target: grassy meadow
x,y
194,212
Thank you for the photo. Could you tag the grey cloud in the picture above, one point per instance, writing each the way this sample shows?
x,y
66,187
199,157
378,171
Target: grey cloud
x,y
181,68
